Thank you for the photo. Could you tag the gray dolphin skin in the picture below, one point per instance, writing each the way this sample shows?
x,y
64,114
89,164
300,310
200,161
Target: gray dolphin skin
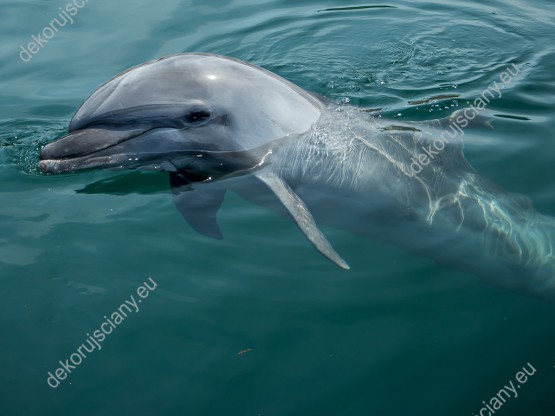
x,y
216,124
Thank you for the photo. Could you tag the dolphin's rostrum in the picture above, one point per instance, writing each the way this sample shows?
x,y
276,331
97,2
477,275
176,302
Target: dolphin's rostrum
x,y
216,123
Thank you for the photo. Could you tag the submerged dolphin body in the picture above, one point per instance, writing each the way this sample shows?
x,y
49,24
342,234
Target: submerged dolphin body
x,y
216,123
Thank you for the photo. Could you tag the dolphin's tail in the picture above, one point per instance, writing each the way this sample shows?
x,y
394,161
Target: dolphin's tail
x,y
498,236
534,240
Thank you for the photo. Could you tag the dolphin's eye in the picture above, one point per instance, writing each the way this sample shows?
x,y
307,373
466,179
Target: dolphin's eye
x,y
197,115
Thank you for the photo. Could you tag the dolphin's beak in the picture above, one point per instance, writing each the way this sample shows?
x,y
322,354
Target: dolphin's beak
x,y
86,149
139,147
150,144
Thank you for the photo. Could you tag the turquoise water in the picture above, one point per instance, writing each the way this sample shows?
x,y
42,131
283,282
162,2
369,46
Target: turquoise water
x,y
259,323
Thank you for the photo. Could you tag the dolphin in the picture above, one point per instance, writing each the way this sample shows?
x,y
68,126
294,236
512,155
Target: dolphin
x,y
215,123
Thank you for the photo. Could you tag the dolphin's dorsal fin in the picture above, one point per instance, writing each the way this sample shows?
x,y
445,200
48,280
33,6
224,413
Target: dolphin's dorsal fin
x,y
199,204
302,216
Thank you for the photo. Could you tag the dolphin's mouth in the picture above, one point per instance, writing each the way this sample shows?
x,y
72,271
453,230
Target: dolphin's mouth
x,y
86,149
144,143
53,166
145,150
103,148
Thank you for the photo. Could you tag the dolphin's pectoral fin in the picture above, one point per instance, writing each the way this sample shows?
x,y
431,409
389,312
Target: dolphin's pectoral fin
x,y
302,216
199,204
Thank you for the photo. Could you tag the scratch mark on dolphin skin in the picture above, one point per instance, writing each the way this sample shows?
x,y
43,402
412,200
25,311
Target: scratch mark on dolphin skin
x,y
379,150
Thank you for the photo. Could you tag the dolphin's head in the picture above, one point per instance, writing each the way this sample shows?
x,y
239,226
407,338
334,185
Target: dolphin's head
x,y
189,112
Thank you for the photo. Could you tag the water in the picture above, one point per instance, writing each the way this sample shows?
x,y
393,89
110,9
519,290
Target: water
x,y
259,323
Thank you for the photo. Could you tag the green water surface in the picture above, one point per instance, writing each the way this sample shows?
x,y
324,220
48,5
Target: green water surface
x,y
259,323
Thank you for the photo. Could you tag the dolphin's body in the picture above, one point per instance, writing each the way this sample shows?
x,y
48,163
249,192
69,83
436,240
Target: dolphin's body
x,y
216,123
